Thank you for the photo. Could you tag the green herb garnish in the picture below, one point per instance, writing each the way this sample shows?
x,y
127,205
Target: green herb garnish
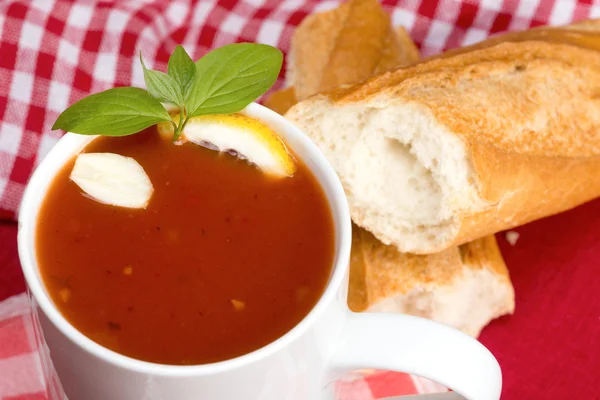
x,y
224,81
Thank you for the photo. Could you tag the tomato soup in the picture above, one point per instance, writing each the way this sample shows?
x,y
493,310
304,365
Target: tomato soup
x,y
223,260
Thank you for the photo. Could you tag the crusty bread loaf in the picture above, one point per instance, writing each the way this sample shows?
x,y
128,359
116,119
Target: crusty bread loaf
x,y
463,287
319,44
468,143
324,48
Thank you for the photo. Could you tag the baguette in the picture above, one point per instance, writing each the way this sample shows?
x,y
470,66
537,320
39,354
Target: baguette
x,y
462,287
468,143
345,45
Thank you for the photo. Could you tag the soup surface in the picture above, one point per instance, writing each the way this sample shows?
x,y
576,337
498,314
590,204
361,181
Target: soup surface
x,y
223,261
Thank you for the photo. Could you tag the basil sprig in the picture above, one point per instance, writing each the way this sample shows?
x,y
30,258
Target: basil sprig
x,y
224,81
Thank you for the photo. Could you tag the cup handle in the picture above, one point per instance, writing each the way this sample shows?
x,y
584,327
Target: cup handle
x,y
420,347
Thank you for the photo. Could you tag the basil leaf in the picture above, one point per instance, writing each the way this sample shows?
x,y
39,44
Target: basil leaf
x,y
115,112
182,69
161,86
231,77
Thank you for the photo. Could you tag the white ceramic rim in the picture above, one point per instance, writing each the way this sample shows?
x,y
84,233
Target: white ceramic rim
x,y
343,230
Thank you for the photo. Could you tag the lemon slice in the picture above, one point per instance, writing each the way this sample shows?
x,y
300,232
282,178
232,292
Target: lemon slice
x,y
241,134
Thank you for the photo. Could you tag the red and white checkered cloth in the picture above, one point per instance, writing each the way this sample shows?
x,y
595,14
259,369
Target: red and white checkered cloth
x,y
26,372
54,52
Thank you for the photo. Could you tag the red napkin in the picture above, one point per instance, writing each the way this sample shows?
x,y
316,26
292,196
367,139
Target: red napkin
x,y
52,53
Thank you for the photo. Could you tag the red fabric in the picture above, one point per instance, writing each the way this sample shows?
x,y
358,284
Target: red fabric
x,y
11,278
53,52
550,347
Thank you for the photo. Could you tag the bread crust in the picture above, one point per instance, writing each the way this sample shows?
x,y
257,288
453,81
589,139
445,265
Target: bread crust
x,y
324,47
321,56
525,105
379,272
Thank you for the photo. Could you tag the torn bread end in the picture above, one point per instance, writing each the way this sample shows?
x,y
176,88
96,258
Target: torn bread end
x,y
404,176
464,287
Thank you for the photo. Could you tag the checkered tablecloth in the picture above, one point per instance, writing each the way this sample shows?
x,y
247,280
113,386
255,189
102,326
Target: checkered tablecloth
x,y
54,52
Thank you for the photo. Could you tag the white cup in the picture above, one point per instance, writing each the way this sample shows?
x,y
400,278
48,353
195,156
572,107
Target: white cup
x,y
301,365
